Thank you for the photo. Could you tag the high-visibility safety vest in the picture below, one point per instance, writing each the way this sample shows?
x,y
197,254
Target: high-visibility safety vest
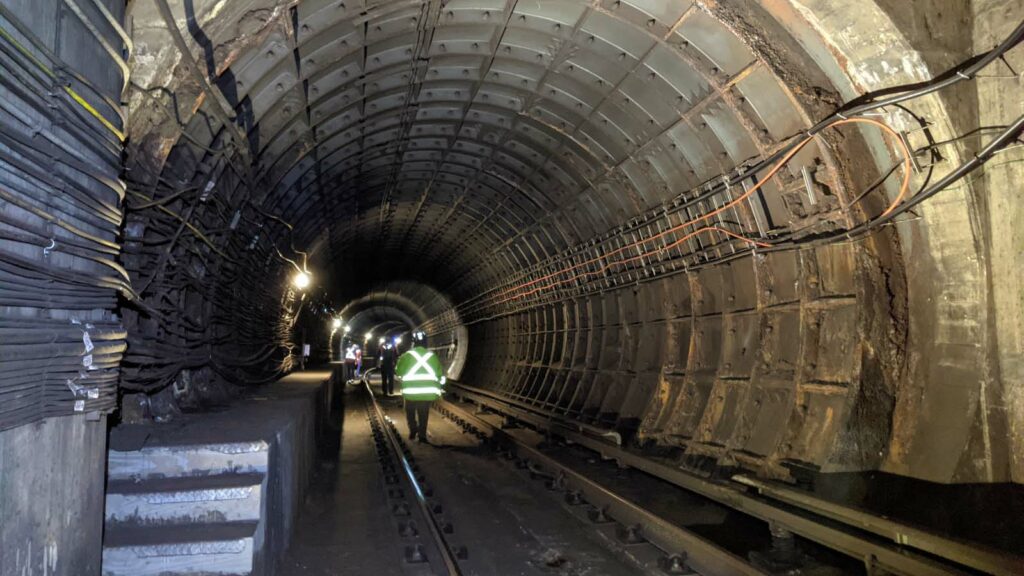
x,y
420,372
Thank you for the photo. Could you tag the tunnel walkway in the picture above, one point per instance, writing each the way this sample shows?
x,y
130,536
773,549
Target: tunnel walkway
x,y
506,525
324,494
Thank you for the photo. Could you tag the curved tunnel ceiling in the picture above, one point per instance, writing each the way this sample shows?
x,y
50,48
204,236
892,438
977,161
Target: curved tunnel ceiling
x,y
574,184
411,303
707,228
460,142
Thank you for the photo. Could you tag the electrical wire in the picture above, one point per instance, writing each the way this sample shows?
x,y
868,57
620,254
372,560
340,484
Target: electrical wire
x,y
520,291
844,115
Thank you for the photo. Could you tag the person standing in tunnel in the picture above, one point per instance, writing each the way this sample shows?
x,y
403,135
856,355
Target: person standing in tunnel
x,y
422,380
388,356
350,362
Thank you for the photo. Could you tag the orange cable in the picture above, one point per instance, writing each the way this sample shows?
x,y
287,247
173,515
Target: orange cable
x,y
904,188
606,267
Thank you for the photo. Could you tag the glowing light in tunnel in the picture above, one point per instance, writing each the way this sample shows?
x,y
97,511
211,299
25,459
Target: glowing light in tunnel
x,y
302,280
336,323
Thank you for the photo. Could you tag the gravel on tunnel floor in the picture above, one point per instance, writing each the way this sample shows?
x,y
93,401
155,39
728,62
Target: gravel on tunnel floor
x,y
509,526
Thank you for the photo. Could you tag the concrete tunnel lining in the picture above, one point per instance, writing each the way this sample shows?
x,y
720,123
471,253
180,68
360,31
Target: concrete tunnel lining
x,y
545,133
491,172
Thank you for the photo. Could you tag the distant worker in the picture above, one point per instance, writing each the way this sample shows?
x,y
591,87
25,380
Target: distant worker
x,y
422,379
359,361
350,362
388,357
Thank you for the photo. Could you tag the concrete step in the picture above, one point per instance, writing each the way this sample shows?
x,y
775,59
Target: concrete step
x,y
172,461
178,509
185,499
224,548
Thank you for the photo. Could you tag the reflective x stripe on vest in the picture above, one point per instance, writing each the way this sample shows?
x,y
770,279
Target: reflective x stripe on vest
x,y
420,372
421,390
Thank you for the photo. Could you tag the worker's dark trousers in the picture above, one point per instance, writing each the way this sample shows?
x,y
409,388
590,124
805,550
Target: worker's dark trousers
x,y
416,413
387,381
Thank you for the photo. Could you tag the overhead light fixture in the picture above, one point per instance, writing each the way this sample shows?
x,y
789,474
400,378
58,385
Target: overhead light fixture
x,y
398,340
369,335
336,323
302,280
347,328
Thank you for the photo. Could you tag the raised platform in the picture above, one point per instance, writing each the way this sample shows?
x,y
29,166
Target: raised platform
x,y
217,491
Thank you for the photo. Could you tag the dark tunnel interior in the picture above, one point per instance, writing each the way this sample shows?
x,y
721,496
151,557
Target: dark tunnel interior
x,y
761,258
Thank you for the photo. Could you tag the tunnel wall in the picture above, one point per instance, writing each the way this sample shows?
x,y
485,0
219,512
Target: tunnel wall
x,y
61,340
954,419
1002,213
772,361
760,361
473,148
813,382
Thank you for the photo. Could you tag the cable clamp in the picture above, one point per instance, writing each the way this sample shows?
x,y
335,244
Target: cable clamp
x,y
48,249
87,342
843,116
79,391
962,75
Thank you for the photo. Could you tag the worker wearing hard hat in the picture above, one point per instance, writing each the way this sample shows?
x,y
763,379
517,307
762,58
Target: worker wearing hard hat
x,y
421,377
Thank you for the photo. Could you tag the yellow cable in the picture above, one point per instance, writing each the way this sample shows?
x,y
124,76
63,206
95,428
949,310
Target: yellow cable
x,y
88,107
27,54
70,91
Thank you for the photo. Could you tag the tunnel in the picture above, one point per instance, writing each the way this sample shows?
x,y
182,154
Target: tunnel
x,y
716,286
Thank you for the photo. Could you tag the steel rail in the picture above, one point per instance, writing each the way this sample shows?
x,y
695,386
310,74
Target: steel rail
x,y
697,552
534,414
982,558
843,533
451,565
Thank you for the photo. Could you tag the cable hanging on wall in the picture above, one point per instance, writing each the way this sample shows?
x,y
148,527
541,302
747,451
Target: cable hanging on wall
x,y
575,272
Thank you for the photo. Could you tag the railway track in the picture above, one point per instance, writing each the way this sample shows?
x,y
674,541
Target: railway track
x,y
883,546
657,545
419,518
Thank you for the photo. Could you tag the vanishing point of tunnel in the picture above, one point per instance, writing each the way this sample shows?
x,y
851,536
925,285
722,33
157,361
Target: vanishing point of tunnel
x,y
511,287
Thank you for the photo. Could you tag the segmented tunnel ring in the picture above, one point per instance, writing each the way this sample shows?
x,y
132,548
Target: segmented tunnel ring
x,y
573,187
475,147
